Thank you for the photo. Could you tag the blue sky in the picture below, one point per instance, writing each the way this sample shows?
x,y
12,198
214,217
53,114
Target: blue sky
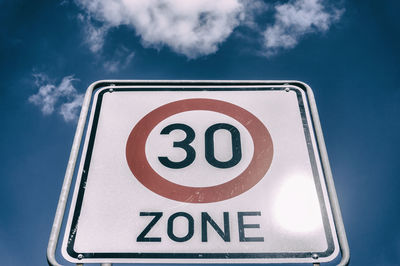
x,y
347,51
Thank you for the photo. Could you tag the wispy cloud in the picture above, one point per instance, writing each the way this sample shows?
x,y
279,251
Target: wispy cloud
x,y
94,35
197,28
121,59
63,97
295,19
69,110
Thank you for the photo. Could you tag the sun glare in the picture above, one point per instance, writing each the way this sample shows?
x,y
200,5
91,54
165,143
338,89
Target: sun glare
x,y
296,207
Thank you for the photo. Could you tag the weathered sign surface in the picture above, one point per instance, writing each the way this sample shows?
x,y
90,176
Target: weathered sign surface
x,y
200,174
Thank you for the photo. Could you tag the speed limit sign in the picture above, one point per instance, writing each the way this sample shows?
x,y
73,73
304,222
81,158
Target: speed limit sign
x,y
256,169
201,172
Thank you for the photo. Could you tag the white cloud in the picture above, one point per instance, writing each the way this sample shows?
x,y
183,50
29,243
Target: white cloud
x,y
49,96
193,28
196,28
45,98
296,19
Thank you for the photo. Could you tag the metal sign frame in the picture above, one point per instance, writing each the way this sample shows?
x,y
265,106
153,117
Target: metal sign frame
x,y
338,222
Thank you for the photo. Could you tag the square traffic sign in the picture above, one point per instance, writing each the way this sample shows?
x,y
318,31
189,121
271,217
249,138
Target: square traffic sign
x,y
201,173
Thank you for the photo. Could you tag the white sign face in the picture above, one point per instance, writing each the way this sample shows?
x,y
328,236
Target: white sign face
x,y
200,175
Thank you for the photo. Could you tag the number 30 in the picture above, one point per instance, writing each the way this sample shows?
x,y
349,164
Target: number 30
x,y
209,146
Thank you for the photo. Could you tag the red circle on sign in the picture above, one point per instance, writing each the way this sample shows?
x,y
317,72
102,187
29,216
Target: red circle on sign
x,y
256,170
